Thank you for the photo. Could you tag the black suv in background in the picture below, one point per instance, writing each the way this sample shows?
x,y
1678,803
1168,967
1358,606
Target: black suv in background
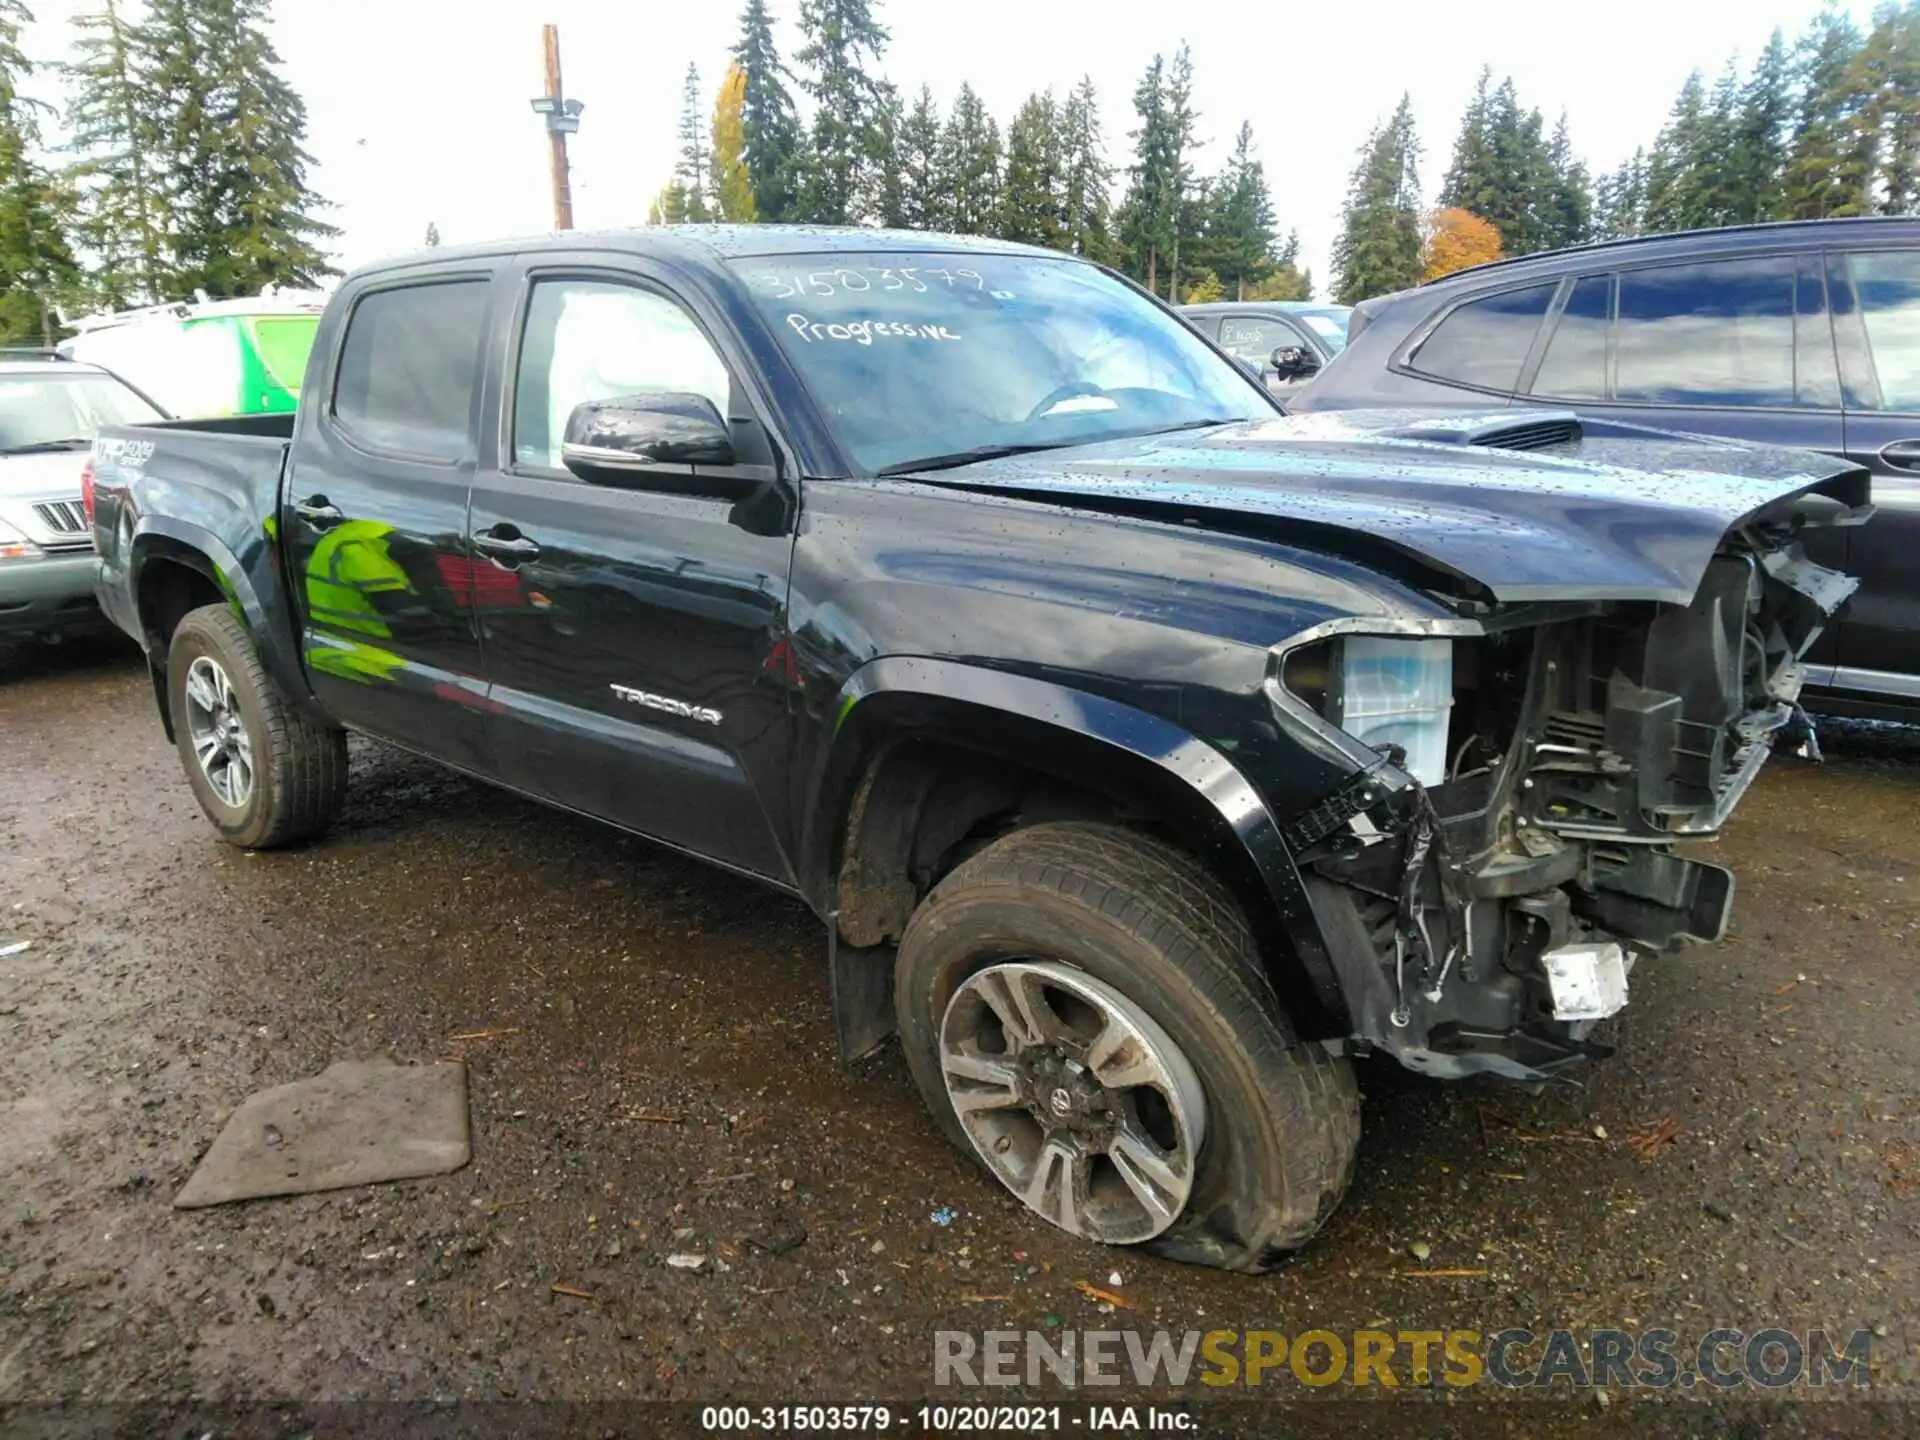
x,y
1805,333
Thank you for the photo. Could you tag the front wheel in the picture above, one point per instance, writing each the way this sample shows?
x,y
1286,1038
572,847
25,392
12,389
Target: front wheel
x,y
1084,1010
265,773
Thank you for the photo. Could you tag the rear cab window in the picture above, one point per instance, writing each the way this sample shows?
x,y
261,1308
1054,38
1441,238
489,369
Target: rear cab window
x,y
1482,343
408,365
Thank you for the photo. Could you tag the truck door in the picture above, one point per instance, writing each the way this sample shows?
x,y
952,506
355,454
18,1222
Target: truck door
x,y
633,628
375,517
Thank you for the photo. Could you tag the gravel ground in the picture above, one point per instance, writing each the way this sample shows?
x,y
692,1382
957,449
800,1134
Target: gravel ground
x,y
653,1073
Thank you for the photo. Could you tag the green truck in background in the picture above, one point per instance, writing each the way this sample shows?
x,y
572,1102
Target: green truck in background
x,y
203,359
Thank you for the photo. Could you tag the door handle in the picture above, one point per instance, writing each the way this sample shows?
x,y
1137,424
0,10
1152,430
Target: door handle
x,y
318,512
508,550
1902,454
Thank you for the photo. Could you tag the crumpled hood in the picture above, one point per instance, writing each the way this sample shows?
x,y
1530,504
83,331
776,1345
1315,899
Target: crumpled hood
x,y
1605,511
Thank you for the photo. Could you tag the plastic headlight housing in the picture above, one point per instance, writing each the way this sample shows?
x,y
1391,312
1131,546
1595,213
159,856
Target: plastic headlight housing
x,y
14,545
1396,693
1391,693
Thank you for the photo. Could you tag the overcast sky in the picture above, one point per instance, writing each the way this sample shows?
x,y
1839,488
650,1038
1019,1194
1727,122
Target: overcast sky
x,y
418,108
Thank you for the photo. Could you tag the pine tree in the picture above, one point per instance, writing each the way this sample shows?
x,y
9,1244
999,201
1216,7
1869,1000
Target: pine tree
x,y
231,158
432,241
111,134
14,17
1520,153
1033,205
1620,200
1150,215
37,269
1288,280
922,206
1378,249
969,167
1505,171
1190,207
1888,79
770,130
883,189
1758,154
731,182
1568,207
842,53
1471,181
693,171
1722,187
1682,170
1826,173
1086,178
1240,229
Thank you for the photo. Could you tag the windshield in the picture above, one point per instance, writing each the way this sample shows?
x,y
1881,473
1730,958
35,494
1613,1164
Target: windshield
x,y
931,357
1329,325
41,411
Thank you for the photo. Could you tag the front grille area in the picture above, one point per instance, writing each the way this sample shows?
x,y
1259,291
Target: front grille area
x,y
63,517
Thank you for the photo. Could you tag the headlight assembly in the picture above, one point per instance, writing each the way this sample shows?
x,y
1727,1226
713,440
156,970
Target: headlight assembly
x,y
1396,693
14,545
1393,693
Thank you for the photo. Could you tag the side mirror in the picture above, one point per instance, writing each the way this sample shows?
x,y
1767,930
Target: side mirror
x,y
633,432
1292,362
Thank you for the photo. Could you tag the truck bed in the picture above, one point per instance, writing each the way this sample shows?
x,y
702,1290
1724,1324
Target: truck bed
x,y
204,488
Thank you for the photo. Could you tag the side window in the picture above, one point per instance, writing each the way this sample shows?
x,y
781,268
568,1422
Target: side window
x,y
1886,286
408,366
1717,333
1575,365
594,340
1254,338
1484,342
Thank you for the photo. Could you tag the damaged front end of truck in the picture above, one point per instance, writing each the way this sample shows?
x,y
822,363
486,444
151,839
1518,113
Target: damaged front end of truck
x,y
1505,847
1585,640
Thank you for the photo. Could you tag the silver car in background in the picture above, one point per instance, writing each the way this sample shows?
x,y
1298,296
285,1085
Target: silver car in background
x,y
1287,341
50,410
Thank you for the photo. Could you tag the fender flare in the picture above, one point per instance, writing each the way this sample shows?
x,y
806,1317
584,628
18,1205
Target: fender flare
x,y
1201,772
161,537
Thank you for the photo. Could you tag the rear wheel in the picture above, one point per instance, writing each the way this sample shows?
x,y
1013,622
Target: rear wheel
x,y
265,773
1084,1010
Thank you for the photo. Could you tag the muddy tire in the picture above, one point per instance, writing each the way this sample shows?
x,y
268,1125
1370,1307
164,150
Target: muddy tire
x,y
1114,928
265,773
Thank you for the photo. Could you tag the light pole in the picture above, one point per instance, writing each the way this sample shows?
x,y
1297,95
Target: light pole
x,y
563,119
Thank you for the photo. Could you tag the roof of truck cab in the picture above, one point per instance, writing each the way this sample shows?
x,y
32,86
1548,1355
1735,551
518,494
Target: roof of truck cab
x,y
703,245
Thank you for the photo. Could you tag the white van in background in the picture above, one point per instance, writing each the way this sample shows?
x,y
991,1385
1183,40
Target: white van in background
x,y
207,358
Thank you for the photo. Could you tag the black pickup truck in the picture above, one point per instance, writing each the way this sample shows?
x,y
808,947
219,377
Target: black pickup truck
x,y
1148,754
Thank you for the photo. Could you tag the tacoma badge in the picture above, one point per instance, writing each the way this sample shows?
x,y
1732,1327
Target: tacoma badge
x,y
667,704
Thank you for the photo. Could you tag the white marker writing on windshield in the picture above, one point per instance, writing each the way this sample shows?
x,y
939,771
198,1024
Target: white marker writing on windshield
x,y
865,332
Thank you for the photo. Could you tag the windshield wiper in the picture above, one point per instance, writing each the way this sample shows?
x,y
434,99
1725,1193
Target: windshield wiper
x,y
44,447
969,457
